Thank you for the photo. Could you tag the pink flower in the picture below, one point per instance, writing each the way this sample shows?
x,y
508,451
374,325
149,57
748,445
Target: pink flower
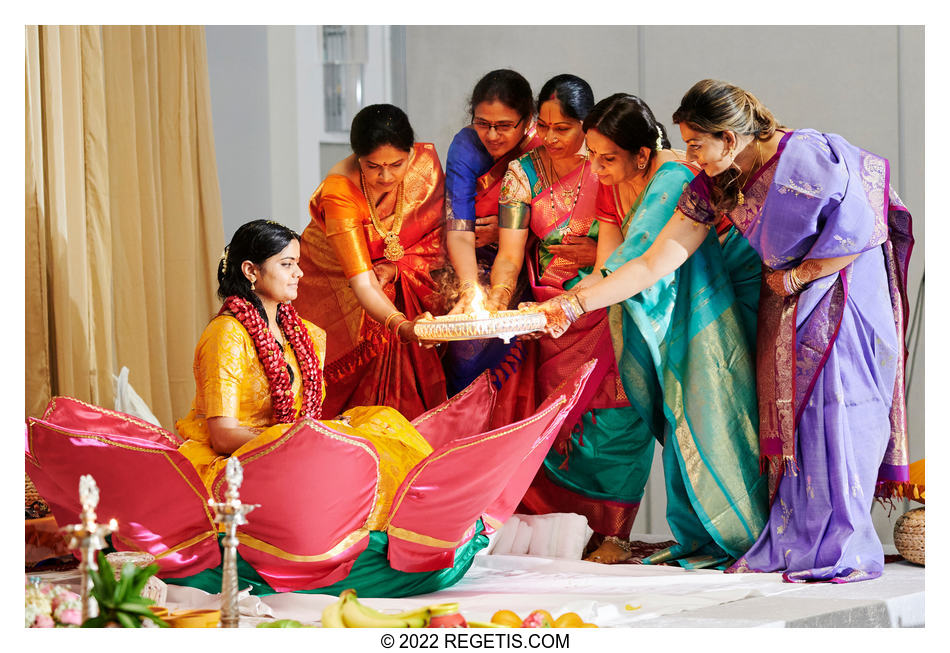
x,y
43,621
71,617
63,596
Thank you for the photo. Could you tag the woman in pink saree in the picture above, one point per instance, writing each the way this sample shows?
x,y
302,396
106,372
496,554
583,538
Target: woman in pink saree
x,y
601,460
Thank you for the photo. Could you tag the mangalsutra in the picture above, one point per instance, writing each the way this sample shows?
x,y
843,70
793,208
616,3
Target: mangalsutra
x,y
569,195
394,249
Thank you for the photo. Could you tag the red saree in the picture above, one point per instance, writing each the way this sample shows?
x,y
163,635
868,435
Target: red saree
x,y
365,365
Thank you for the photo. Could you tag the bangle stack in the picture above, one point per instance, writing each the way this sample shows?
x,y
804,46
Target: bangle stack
x,y
397,318
571,304
791,282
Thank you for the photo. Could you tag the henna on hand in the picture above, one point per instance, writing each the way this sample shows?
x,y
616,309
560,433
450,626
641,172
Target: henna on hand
x,y
580,251
775,280
809,270
386,272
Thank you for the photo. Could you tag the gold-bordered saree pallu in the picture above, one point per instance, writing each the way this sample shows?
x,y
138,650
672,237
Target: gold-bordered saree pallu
x,y
365,365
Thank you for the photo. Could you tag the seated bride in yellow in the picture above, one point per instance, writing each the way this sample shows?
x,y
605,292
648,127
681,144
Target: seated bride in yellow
x,y
368,501
258,368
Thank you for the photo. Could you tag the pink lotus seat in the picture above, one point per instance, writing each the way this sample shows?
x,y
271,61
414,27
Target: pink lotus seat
x,y
436,506
316,486
151,489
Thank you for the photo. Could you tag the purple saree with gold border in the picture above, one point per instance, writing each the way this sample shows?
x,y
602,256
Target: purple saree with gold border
x,y
830,360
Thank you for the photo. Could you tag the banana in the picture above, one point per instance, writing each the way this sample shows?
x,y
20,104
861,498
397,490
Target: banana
x,y
418,618
333,616
357,615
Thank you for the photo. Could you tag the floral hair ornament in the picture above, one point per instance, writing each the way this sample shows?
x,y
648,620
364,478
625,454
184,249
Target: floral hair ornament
x,y
224,259
659,138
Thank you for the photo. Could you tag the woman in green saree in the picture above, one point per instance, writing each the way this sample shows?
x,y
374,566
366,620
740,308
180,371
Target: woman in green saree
x,y
683,345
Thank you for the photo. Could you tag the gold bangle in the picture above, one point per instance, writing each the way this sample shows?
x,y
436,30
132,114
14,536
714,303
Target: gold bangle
x,y
580,302
795,284
575,303
503,286
399,335
391,316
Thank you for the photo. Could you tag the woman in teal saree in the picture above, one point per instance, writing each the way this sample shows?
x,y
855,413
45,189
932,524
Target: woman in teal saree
x,y
683,345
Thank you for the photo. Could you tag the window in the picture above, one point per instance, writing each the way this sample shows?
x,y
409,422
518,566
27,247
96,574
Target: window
x,y
345,59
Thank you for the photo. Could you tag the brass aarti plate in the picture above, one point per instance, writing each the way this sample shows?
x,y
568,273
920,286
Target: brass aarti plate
x,y
469,326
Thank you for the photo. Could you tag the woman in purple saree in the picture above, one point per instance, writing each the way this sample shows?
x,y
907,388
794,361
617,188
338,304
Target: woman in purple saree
x,y
835,241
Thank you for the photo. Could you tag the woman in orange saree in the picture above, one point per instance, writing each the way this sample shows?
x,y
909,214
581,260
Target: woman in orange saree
x,y
367,256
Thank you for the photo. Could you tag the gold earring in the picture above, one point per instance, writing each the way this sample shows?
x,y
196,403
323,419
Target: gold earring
x,y
252,285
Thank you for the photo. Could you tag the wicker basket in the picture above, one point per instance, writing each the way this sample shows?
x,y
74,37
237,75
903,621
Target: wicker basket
x,y
909,535
155,588
36,507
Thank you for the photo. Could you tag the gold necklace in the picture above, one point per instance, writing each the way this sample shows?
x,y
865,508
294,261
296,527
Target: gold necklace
x,y
394,249
568,195
740,198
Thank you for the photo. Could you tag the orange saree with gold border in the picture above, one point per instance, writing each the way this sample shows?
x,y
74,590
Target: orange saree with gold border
x,y
365,365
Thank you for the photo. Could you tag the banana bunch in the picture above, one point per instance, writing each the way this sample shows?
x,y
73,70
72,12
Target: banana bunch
x,y
348,612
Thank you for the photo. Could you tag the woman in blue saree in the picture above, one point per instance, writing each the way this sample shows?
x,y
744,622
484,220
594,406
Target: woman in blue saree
x,y
682,346
501,130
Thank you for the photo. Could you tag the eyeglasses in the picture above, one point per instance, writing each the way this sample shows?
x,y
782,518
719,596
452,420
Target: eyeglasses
x,y
501,128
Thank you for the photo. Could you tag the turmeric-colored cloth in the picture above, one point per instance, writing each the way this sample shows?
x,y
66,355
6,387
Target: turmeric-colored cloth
x,y
914,487
231,383
365,364
399,445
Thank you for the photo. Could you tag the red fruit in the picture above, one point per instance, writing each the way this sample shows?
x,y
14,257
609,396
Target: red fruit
x,y
538,619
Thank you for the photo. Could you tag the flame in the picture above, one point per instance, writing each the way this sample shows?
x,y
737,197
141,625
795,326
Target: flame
x,y
478,305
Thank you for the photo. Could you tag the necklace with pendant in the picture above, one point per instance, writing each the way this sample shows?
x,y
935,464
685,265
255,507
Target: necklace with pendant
x,y
393,250
740,198
570,196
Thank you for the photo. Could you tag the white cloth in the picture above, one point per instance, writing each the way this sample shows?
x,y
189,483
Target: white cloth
x,y
127,399
555,535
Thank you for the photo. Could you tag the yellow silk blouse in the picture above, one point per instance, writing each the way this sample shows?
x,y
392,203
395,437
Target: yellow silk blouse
x,y
230,379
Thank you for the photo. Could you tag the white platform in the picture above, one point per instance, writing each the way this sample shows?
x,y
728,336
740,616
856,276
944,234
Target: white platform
x,y
634,596
625,596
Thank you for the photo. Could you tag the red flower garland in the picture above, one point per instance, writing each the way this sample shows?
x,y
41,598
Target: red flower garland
x,y
272,358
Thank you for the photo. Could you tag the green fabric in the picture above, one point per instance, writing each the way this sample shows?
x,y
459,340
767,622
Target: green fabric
x,y
745,272
613,463
371,575
688,368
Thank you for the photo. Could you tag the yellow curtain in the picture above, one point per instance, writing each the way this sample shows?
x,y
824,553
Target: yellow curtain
x,y
123,212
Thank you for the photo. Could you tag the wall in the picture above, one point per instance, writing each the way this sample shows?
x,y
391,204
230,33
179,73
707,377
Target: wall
x,y
237,69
